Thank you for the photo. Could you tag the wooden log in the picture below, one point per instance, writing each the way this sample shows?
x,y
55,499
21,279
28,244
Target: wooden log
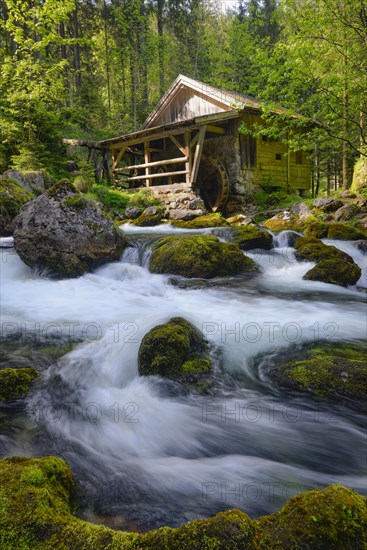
x,y
147,162
83,143
215,129
160,175
178,144
156,163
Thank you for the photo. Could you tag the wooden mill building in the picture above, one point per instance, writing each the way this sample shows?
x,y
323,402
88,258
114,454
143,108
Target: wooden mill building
x,y
192,141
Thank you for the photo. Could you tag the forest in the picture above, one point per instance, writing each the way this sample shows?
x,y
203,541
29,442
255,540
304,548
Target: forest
x,y
94,69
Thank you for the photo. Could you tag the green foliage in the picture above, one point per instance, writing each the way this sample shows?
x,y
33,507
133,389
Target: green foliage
x,y
110,199
210,220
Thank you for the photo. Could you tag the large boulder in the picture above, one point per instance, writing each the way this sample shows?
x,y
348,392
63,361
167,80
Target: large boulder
x,y
174,349
35,181
66,233
250,237
201,256
344,232
327,205
334,271
333,265
12,198
330,370
347,212
282,221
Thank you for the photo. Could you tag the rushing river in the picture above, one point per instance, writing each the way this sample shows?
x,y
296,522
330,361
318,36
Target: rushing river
x,y
146,452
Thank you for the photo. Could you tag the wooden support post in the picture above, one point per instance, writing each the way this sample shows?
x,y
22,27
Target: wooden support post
x,y
188,163
197,156
178,144
116,157
147,161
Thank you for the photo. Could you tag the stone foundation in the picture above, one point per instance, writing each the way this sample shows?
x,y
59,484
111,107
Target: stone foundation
x,y
179,201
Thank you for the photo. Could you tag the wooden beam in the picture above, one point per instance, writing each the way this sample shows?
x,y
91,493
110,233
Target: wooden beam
x,y
194,140
197,156
215,129
155,163
147,162
160,175
120,155
188,163
178,144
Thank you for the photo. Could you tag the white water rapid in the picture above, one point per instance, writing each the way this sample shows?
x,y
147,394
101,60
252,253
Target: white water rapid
x,y
144,450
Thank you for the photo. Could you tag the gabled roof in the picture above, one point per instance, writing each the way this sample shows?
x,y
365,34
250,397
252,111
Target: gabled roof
x,y
224,100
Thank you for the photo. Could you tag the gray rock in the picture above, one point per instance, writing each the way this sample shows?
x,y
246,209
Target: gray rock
x,y
36,182
196,204
65,233
133,212
362,246
184,214
327,205
301,209
346,212
347,194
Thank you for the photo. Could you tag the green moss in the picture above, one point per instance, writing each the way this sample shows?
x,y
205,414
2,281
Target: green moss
x,y
76,201
335,271
14,383
278,224
173,349
35,515
12,197
196,365
332,370
61,189
344,232
210,220
250,237
314,250
110,199
201,256
333,518
360,175
151,216
316,229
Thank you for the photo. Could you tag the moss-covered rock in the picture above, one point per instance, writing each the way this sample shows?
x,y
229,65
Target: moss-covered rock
x,y
332,370
334,271
173,349
335,518
316,229
12,198
344,232
327,204
209,220
201,256
250,237
282,222
14,383
35,515
151,216
314,250
333,265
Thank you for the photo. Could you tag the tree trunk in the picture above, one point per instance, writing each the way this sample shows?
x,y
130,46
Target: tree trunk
x,y
160,5
78,78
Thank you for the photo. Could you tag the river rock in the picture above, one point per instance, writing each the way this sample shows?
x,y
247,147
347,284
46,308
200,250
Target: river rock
x,y
12,198
133,212
14,383
151,216
327,205
250,237
344,232
333,265
199,256
174,349
184,214
332,370
301,209
362,246
346,212
65,233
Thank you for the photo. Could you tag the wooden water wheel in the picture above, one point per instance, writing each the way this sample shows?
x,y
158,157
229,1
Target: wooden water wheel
x,y
213,183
